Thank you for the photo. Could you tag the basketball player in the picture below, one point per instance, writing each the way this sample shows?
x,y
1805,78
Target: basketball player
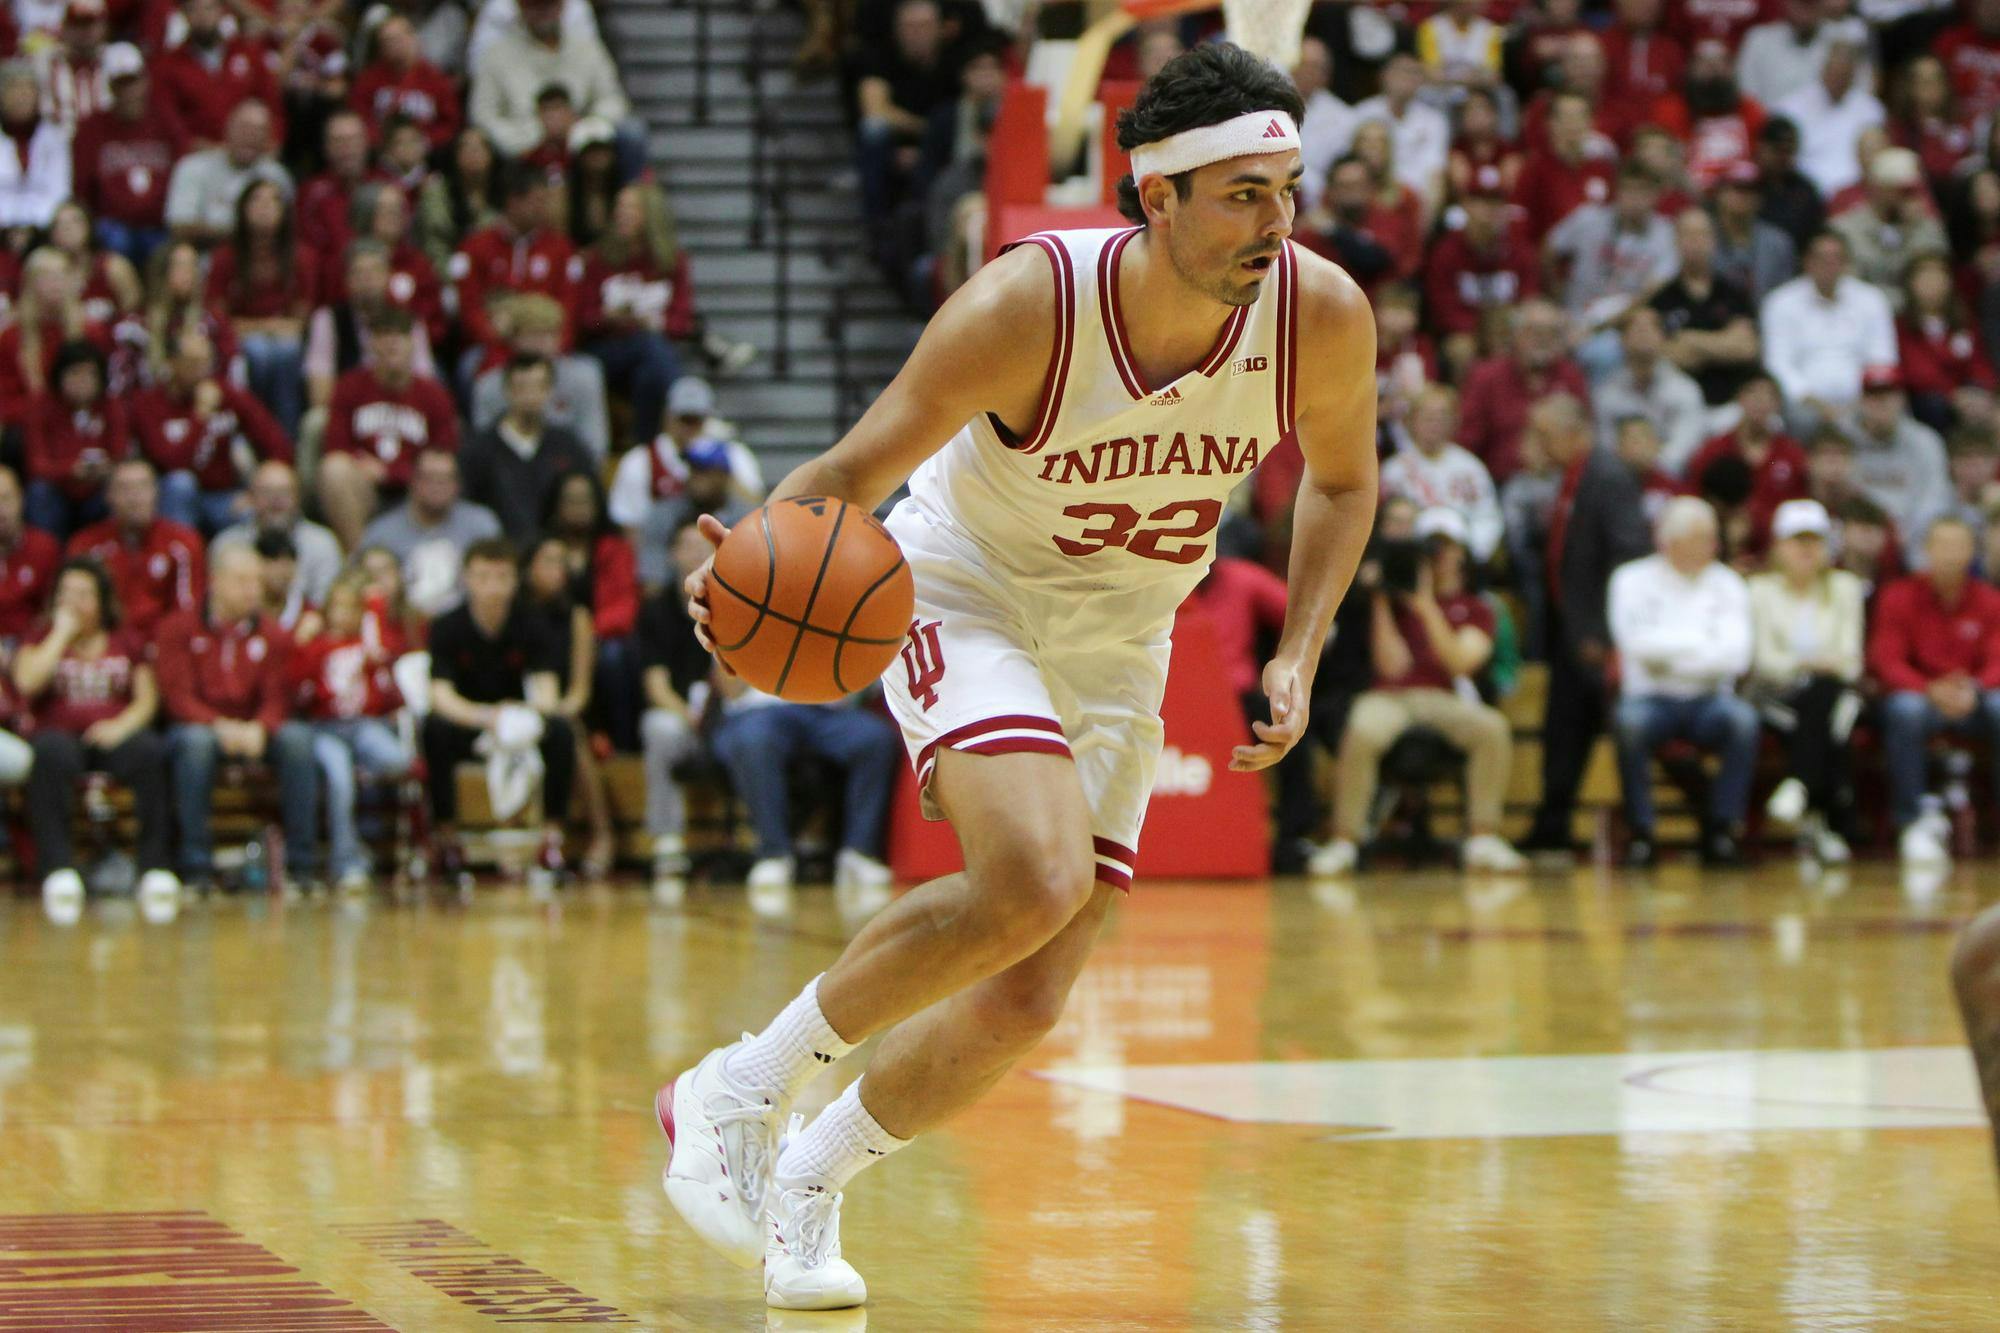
x,y
1070,426
1975,975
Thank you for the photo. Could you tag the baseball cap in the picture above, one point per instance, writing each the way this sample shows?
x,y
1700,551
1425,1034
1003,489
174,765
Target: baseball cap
x,y
1797,518
707,453
121,60
1439,521
690,397
1880,379
1895,169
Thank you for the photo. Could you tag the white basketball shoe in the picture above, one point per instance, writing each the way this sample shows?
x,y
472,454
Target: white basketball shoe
x,y
725,1142
803,1269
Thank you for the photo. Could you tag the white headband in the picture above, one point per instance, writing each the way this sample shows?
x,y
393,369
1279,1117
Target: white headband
x,y
1258,132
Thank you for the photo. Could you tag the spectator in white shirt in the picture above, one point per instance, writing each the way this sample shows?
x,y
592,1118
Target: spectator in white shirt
x,y
36,178
1329,124
1822,330
1650,386
1681,623
1831,112
1422,133
1434,473
1779,58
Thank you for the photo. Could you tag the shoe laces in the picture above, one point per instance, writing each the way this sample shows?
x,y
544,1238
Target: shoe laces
x,y
808,1221
747,1155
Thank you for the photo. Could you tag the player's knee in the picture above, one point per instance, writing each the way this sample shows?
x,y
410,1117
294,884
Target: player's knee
x,y
1038,890
1975,966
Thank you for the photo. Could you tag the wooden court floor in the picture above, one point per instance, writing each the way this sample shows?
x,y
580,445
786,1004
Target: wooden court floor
x,y
1583,1102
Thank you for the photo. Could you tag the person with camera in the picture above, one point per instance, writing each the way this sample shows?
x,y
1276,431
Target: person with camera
x,y
1429,634
1681,623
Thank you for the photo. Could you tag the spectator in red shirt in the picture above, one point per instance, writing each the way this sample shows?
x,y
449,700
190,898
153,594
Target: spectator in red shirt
x,y
556,111
71,72
110,287
520,253
338,338
74,437
123,157
1777,464
1500,390
88,680
1935,650
1711,116
405,155
345,690
1572,169
204,434
325,200
1483,268
1721,21
1339,227
381,213
1396,213
224,675
1425,638
143,343
266,281
1945,367
48,314
1476,145
156,565
604,580
382,416
212,71
395,79
28,558
1642,62
634,297
1925,119
1971,55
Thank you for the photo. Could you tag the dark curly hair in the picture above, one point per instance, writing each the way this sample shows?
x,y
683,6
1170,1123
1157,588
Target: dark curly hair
x,y
1206,86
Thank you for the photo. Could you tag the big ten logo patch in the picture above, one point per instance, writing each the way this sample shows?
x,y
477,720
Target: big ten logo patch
x,y
1247,365
1182,774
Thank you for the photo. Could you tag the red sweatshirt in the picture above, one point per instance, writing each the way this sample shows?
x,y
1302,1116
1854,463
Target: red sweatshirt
x,y
27,577
495,262
1241,597
342,678
266,294
208,672
366,417
422,93
1499,392
160,573
614,594
322,211
60,439
1917,639
201,98
1550,189
177,439
634,296
121,167
1939,359
1461,282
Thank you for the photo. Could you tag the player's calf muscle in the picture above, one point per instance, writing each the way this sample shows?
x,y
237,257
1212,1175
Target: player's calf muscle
x,y
1975,974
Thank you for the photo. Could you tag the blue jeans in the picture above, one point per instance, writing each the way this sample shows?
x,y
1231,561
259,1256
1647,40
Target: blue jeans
x,y
757,744
183,501
618,689
367,744
1721,723
45,506
135,243
1909,720
278,376
643,366
192,759
875,160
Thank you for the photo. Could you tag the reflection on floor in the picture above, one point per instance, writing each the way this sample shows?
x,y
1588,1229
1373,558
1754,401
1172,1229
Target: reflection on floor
x,y
1415,1102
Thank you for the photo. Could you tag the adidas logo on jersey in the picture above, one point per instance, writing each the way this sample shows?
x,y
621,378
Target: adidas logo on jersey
x,y
1249,365
1165,399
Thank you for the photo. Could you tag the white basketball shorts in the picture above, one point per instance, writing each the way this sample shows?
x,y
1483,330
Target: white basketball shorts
x,y
976,676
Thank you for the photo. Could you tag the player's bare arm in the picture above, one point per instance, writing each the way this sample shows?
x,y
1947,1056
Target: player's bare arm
x,y
1335,509
986,350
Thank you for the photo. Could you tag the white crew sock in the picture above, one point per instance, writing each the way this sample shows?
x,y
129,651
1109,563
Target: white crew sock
x,y
785,1056
838,1144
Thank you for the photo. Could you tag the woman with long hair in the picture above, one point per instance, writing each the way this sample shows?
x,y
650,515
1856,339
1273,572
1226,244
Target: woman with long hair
x,y
388,616
1924,118
111,287
1946,370
546,596
1805,657
174,301
635,296
460,197
48,314
381,213
604,579
1476,142
266,282
88,684
1395,213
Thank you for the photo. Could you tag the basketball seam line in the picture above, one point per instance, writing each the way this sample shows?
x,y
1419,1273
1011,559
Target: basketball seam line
x,y
784,619
770,586
860,602
805,616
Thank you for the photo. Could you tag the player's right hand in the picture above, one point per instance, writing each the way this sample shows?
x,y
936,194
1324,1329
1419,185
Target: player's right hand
x,y
696,584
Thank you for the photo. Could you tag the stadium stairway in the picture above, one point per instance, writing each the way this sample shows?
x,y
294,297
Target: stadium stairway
x,y
759,169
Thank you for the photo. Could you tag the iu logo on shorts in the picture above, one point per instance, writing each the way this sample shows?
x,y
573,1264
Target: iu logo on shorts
x,y
924,660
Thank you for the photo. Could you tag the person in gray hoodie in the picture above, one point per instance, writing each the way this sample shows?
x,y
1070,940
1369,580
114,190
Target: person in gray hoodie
x,y
1899,462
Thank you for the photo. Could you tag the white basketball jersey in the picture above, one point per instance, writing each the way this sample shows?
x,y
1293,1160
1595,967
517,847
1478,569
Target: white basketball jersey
x,y
1111,501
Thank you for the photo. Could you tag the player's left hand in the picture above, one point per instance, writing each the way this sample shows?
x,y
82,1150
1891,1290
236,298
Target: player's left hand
x,y
1285,686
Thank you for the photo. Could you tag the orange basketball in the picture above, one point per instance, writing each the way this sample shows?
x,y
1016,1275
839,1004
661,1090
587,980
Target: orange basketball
x,y
810,599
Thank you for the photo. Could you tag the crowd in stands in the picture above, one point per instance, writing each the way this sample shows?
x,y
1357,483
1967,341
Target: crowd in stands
x,y
322,327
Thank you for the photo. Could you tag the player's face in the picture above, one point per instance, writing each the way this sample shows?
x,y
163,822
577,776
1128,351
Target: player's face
x,y
1224,237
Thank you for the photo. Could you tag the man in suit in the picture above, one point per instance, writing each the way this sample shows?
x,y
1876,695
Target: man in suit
x,y
1597,525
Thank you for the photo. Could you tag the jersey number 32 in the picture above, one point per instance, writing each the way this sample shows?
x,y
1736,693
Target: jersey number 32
x,y
1110,525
